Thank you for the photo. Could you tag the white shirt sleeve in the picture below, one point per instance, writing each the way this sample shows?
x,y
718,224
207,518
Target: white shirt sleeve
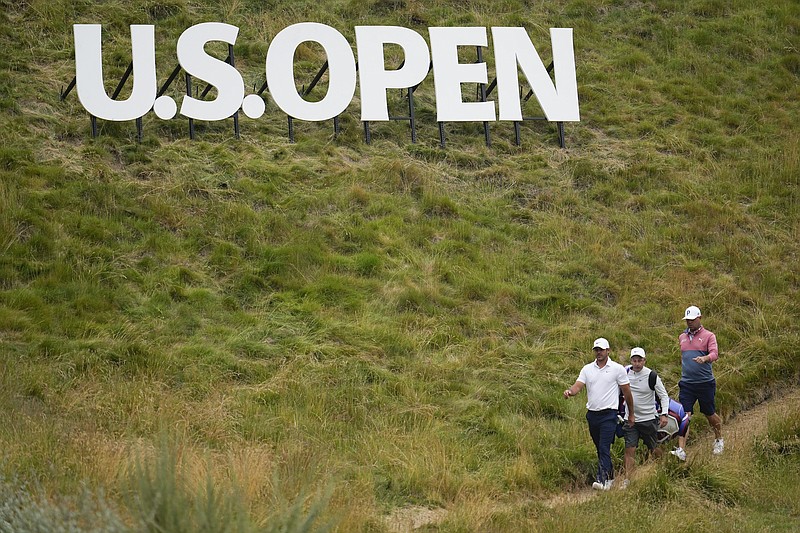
x,y
622,376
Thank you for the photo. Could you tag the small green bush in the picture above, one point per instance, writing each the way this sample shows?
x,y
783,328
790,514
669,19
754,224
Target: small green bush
x,y
25,509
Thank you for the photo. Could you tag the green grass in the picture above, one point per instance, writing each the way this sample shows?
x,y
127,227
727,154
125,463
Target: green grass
x,y
744,492
392,320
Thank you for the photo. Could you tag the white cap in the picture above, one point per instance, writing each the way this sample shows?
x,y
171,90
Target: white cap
x,y
638,351
692,312
600,343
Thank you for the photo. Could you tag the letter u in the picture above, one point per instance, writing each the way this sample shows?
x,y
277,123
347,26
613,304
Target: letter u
x,y
89,73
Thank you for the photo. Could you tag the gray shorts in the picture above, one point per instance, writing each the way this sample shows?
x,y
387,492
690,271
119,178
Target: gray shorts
x,y
642,430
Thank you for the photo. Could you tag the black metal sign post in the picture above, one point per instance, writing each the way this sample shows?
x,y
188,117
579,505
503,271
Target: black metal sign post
x,y
305,92
65,92
188,78
120,85
517,133
232,62
559,124
482,96
481,93
174,74
411,118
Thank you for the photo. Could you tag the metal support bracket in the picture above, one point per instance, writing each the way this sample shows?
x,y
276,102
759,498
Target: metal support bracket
x,y
173,75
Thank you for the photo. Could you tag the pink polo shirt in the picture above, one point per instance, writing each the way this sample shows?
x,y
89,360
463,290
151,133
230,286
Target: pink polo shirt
x,y
702,342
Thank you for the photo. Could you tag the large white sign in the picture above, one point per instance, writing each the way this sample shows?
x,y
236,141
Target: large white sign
x,y
513,51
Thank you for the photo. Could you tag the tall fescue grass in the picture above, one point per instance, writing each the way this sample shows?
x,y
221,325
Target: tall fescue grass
x,y
747,489
392,320
165,491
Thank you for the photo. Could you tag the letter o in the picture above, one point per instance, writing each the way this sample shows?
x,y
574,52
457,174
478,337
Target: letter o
x,y
341,71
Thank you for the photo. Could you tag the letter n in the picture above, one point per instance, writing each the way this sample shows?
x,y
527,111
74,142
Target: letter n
x,y
513,47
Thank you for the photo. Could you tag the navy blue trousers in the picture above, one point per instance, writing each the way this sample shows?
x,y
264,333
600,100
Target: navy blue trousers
x,y
602,428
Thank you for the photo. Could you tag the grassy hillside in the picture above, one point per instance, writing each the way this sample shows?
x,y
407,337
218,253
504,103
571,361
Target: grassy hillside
x,y
391,322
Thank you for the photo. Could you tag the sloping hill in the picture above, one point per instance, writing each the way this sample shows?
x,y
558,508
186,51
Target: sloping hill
x,y
393,320
754,434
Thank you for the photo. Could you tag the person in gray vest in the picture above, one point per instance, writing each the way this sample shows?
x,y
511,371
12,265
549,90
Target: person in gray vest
x,y
648,420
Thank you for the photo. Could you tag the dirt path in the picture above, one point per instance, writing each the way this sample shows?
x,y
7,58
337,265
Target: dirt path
x,y
738,432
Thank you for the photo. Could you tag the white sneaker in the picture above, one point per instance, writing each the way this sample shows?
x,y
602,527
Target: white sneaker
x,y
679,453
719,446
597,485
607,485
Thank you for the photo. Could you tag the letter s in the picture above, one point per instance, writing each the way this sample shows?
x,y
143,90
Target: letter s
x,y
195,61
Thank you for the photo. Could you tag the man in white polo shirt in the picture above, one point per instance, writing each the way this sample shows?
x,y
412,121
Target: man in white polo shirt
x,y
603,379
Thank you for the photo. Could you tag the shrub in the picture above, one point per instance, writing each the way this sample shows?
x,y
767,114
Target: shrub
x,y
24,509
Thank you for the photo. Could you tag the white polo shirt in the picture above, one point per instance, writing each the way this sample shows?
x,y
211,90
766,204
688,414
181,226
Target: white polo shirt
x,y
602,384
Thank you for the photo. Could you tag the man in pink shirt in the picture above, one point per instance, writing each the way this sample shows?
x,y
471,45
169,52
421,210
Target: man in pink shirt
x,y
697,384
